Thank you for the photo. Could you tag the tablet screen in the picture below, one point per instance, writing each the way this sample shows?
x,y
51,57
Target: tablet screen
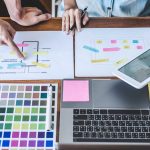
x,y
139,68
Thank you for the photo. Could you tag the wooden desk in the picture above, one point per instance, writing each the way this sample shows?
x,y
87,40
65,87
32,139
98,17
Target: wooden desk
x,y
55,24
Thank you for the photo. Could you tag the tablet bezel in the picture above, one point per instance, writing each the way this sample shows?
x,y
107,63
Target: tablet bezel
x,y
129,79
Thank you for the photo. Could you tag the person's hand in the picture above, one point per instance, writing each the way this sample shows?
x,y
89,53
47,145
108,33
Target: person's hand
x,y
6,37
72,16
30,16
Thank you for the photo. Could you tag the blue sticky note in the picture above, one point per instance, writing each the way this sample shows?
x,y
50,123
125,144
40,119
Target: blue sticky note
x,y
135,41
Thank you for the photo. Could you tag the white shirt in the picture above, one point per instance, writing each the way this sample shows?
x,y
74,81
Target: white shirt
x,y
119,8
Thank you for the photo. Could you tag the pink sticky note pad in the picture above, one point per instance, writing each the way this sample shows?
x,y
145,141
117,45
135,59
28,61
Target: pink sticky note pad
x,y
76,91
113,41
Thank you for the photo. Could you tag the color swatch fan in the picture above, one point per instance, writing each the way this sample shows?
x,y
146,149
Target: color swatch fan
x,y
28,116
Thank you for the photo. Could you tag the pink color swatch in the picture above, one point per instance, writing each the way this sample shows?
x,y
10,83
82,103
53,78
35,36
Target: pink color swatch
x,y
111,49
113,41
75,91
14,143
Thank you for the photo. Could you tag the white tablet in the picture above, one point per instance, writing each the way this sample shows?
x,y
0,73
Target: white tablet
x,y
137,71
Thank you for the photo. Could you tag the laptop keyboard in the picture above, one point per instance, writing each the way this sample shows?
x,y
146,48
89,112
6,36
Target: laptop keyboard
x,y
107,125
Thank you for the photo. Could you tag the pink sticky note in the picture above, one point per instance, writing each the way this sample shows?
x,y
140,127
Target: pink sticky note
x,y
139,47
113,41
75,91
22,45
113,49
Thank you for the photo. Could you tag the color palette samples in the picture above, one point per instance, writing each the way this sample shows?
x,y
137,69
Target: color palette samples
x,y
26,110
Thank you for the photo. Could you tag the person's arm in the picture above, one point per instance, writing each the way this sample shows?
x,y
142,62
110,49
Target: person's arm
x,y
6,37
25,16
72,14
70,4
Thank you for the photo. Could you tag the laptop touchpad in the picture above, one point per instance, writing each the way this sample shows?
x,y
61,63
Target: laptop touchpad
x,y
118,94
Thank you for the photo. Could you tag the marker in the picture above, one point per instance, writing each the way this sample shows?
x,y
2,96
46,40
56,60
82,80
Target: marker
x,y
48,114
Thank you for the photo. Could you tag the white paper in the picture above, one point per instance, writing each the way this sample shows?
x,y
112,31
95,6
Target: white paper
x,y
49,55
98,51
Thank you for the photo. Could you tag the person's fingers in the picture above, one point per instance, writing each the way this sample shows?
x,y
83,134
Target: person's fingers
x,y
73,32
1,42
42,17
28,9
78,19
12,31
63,23
67,22
71,14
85,19
8,40
35,13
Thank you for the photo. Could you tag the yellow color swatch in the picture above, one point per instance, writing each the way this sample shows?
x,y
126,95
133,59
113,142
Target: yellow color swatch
x,y
41,65
16,126
99,60
25,126
33,126
18,110
26,110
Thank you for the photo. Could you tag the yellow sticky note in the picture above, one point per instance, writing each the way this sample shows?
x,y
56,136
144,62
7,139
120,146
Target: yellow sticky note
x,y
42,65
121,61
42,53
125,41
126,47
99,41
14,53
99,60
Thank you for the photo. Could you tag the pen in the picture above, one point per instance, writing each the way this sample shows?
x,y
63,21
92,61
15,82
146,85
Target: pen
x,y
82,15
49,101
110,9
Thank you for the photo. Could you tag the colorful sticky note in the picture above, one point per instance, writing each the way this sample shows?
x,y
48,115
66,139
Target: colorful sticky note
x,y
99,60
91,49
22,45
135,41
113,41
99,41
113,49
125,41
76,91
126,47
139,47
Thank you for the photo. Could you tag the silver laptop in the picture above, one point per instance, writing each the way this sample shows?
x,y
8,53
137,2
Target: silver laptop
x,y
116,114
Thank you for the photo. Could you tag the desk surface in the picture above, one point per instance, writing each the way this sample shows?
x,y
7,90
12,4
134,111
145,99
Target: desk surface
x,y
55,24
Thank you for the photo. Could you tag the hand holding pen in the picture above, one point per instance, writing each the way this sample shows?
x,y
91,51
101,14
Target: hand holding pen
x,y
74,18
